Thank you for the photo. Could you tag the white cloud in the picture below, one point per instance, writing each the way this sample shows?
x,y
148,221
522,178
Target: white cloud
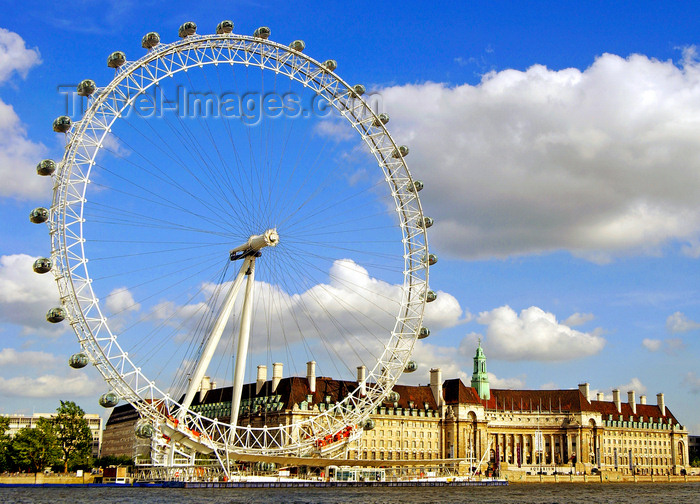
x,y
121,300
692,381
634,384
599,162
578,319
336,129
593,394
653,345
506,383
18,154
348,318
12,357
79,385
429,356
15,56
674,346
679,323
18,159
453,365
671,346
535,335
26,296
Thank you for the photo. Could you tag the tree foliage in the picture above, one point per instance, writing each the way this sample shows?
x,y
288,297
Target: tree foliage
x,y
37,448
73,434
113,460
5,442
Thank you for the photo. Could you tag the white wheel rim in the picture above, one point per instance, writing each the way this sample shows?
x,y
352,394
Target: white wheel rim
x,y
71,264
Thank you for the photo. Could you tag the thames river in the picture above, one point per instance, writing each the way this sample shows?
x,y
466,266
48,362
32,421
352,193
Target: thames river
x,y
559,493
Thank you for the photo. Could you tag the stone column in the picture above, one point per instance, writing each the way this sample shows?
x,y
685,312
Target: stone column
x,y
578,447
507,447
551,449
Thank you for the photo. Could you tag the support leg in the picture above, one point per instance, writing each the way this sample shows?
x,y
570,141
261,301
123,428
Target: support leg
x,y
242,351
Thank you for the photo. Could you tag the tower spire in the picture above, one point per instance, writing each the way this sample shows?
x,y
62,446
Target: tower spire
x,y
480,378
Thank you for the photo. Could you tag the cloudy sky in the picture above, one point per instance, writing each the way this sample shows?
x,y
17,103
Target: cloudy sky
x,y
559,150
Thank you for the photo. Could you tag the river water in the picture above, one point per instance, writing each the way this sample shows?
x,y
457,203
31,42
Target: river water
x,y
555,493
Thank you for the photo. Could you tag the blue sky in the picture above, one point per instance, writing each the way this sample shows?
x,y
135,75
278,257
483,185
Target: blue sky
x,y
558,144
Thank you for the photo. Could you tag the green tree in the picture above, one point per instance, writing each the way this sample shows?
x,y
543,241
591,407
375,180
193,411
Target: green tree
x,y
36,448
4,443
113,460
73,434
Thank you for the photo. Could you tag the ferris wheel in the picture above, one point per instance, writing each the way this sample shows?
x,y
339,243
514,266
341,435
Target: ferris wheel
x,y
224,201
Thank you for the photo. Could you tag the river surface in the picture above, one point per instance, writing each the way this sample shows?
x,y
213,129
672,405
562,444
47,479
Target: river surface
x,y
555,493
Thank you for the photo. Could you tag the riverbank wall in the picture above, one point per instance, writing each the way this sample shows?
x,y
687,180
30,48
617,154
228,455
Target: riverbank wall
x,y
604,477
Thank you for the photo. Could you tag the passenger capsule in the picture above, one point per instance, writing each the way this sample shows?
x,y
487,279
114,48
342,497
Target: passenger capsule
x,y
263,32
109,400
423,333
369,424
187,29
226,26
61,124
56,315
402,151
431,259
430,296
393,396
298,45
411,366
86,87
116,59
417,186
427,222
42,265
39,215
46,167
330,65
144,429
358,89
150,40
380,119
78,360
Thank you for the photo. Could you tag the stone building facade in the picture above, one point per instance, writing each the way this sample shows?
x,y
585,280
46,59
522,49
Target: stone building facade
x,y
18,422
534,431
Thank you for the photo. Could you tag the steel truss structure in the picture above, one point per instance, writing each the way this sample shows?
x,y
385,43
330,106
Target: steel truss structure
x,y
181,433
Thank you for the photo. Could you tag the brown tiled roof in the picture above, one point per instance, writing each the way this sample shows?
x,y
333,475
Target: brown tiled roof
x,y
516,400
295,389
648,411
569,400
455,392
419,395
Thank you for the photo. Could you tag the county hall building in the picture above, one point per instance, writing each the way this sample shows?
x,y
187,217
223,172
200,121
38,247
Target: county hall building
x,y
480,428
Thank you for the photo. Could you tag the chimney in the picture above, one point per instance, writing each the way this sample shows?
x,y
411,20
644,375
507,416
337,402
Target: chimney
x,y
436,385
262,378
204,387
642,399
311,375
361,377
616,400
630,399
585,389
600,396
660,402
276,375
